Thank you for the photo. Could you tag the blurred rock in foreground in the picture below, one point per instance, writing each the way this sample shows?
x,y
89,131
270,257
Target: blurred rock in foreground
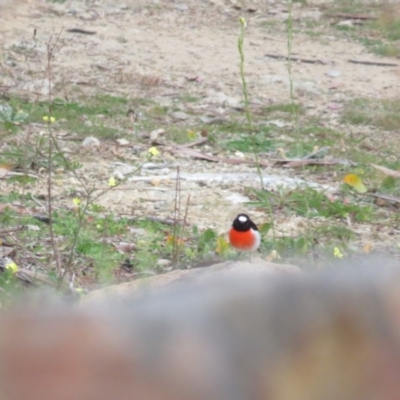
x,y
328,336
194,276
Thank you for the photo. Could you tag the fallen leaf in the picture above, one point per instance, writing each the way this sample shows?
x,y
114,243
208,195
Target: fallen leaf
x,y
9,207
125,247
383,199
4,169
387,171
367,248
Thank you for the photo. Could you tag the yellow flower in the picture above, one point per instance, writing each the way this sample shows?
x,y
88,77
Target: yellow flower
x,y
153,151
112,182
274,255
243,22
46,118
76,201
337,253
355,181
222,245
11,266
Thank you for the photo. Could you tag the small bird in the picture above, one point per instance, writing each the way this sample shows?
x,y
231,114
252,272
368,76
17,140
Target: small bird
x,y
244,234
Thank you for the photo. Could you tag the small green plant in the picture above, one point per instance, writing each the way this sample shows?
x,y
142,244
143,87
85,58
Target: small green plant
x,y
9,283
11,117
206,241
389,24
331,233
247,145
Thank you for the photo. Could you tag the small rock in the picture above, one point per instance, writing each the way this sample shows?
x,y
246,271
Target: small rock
x,y
137,231
180,115
347,22
181,7
123,142
312,15
122,170
91,141
212,120
162,262
278,123
333,73
39,86
74,11
156,133
307,87
152,165
218,3
33,227
334,106
268,79
239,154
224,100
236,198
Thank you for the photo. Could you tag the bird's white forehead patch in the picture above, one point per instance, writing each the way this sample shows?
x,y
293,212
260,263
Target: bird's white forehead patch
x,y
242,218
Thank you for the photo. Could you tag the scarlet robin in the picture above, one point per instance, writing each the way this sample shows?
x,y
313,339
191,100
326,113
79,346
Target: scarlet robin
x,y
244,234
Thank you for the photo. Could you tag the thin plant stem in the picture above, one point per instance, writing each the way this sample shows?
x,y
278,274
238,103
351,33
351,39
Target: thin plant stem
x,y
50,53
177,210
299,147
243,25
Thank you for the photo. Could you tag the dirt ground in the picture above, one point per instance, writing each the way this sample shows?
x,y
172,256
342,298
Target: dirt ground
x,y
163,50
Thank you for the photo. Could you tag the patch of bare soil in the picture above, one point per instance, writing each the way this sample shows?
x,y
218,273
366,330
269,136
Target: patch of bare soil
x,y
163,50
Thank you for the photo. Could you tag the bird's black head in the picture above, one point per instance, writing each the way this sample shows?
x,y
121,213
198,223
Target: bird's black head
x,y
243,223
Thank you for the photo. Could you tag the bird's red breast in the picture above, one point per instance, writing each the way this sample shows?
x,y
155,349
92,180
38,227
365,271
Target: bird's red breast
x,y
244,241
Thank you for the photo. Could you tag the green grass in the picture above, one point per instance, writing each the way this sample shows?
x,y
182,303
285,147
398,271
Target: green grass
x,y
379,47
95,116
350,6
381,36
383,114
388,24
246,144
332,233
93,248
311,203
90,242
283,108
